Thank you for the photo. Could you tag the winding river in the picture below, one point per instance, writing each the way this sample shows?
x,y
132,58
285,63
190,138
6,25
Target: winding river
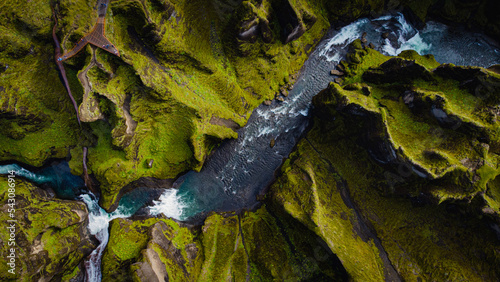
x,y
240,169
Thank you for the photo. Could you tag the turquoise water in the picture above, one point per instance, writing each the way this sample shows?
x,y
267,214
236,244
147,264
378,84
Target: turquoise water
x,y
241,168
57,176
66,185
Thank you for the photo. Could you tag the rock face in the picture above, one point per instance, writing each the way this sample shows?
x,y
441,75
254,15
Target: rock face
x,y
51,235
225,247
475,14
369,175
396,70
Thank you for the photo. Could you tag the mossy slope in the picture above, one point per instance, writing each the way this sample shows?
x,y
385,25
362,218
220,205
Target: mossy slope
x,y
180,67
345,184
51,235
225,247
439,121
184,65
36,118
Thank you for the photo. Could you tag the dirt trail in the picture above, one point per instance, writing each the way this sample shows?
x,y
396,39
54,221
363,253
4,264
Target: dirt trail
x,y
61,67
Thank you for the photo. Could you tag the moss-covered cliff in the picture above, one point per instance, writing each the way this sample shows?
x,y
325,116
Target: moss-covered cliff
x,y
397,174
50,235
256,245
188,76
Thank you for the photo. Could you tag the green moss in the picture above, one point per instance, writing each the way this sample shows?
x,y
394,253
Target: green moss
x,y
308,193
332,184
175,85
51,237
220,250
71,274
492,196
405,111
416,240
127,239
428,61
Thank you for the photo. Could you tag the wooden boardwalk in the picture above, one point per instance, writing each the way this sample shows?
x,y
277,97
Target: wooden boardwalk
x,y
96,36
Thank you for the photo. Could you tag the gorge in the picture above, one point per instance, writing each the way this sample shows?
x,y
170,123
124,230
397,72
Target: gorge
x,y
240,184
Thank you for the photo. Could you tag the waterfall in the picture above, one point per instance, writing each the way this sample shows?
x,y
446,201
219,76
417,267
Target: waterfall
x,y
59,178
93,262
98,225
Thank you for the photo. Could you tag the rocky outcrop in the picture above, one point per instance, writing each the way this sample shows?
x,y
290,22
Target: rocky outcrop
x,y
396,70
292,26
177,71
51,236
475,14
225,247
189,75
369,175
412,79
293,18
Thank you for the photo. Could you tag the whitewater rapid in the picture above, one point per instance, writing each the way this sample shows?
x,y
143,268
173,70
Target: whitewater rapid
x,y
98,226
66,185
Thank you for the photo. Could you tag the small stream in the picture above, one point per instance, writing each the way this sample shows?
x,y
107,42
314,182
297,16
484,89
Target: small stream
x,y
241,168
57,176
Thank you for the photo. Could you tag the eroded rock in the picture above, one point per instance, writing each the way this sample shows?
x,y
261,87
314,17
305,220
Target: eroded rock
x,y
51,235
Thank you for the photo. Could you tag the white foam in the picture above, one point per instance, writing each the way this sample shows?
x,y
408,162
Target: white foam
x,y
406,27
98,218
346,35
93,262
281,109
263,113
384,18
415,43
169,204
98,225
265,130
20,171
408,39
304,112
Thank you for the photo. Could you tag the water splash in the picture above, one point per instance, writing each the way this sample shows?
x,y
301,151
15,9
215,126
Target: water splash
x,y
58,176
98,225
170,204
241,168
343,38
408,37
